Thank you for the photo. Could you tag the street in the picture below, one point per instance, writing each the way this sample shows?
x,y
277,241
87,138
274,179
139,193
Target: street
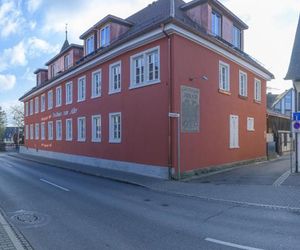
x,y
60,209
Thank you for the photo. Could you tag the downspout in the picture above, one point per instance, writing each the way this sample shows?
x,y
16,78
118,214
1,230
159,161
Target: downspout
x,y
170,151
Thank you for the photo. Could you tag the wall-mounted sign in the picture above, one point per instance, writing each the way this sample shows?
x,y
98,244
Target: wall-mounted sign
x,y
64,113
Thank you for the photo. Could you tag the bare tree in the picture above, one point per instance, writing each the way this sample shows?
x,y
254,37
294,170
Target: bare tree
x,y
3,122
18,118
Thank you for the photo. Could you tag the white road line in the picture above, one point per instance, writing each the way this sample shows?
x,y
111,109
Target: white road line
x,y
282,179
224,243
55,185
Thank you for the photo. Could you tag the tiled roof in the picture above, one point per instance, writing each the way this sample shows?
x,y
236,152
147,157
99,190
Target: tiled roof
x,y
294,68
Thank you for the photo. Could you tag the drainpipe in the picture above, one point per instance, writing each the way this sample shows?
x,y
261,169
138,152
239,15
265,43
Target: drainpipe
x,y
170,151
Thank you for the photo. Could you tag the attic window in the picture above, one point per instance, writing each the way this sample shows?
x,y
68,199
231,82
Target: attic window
x,y
89,45
105,36
216,24
236,37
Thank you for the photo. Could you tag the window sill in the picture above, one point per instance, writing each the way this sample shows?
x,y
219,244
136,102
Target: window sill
x,y
257,102
234,147
115,142
134,86
81,140
225,92
244,97
68,103
96,141
251,130
69,139
96,96
114,92
81,100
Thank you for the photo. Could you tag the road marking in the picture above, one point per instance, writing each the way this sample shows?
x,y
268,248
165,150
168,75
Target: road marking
x,y
282,179
229,244
55,185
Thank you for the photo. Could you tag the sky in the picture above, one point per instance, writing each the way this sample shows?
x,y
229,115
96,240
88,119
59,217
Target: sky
x,y
33,31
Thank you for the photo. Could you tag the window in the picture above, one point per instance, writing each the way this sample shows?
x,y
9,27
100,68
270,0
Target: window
x,y
31,107
89,45
105,36
43,102
216,25
67,61
26,132
81,129
152,66
234,131
243,83
26,109
288,101
36,105
69,129
250,123
224,76
50,130
50,99
31,131
115,127
58,130
115,78
138,70
257,90
96,84
37,131
52,71
236,39
58,96
96,128
81,89
42,131
69,93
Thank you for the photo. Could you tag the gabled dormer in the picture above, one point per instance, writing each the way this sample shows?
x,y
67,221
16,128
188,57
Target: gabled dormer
x,y
41,76
67,57
217,20
103,33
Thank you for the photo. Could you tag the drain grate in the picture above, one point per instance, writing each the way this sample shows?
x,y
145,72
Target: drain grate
x,y
29,218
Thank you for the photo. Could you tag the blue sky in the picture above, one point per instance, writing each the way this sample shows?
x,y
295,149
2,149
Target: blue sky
x,y
32,32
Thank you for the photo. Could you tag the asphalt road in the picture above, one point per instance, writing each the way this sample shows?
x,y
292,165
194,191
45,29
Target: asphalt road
x,y
60,209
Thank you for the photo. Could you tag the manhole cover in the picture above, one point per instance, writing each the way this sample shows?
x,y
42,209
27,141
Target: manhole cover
x,y
29,218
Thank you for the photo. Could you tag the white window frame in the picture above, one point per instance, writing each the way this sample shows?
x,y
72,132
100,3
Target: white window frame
x,y
50,130
26,132
43,102
43,131
69,129
81,93
224,86
233,132
67,61
237,37
36,105
81,137
112,89
94,94
216,23
31,107
94,131
88,49
69,94
58,130
58,96
143,56
112,138
26,109
257,90
50,99
31,132
250,124
243,86
106,38
36,131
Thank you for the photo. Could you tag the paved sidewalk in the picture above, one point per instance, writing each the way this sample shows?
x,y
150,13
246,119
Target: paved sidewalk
x,y
268,196
9,238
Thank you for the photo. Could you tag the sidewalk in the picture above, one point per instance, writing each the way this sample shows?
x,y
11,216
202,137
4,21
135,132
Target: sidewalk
x,y
10,239
267,196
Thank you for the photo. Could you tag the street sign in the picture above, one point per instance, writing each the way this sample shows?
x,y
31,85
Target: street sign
x,y
296,122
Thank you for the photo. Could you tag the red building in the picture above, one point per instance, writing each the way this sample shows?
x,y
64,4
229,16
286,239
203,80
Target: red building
x,y
114,102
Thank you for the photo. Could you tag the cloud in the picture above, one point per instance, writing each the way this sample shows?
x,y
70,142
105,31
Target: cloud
x,y
33,5
7,82
11,18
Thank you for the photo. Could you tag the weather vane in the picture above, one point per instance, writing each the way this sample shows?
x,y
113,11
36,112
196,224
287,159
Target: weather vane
x,y
66,31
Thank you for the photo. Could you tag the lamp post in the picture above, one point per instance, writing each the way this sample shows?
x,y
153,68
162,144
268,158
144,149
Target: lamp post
x,y
177,116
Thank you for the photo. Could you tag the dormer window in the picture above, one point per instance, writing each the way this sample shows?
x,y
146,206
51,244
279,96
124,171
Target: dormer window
x,y
89,45
52,71
67,61
216,25
38,79
105,36
236,39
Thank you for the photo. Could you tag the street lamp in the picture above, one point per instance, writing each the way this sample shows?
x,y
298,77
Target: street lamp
x,y
177,116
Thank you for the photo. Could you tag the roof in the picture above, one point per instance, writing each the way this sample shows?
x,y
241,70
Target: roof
x,y
294,68
156,14
39,70
63,50
280,97
220,6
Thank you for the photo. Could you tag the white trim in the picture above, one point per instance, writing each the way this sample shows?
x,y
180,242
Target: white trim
x,y
250,121
67,133
94,139
43,106
100,36
227,67
85,44
234,132
36,104
70,83
57,137
43,131
50,91
78,89
246,89
93,95
100,163
81,139
50,138
110,89
36,131
58,104
255,89
111,129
